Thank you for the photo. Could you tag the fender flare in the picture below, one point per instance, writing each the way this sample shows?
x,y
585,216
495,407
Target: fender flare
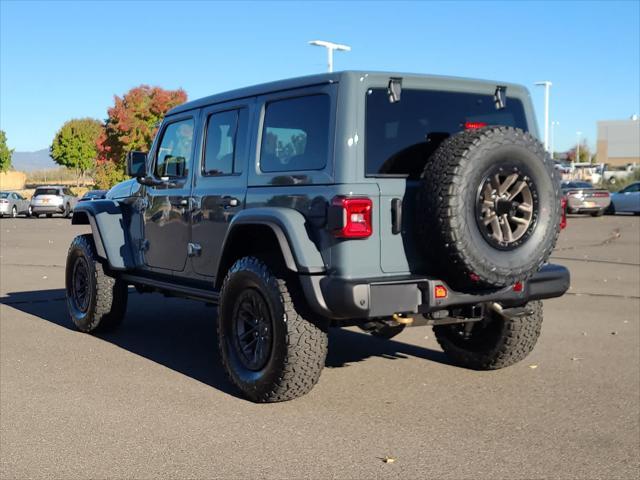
x,y
108,228
298,250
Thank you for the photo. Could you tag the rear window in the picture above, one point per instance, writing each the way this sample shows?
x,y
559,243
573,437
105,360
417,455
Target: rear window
x,y
46,191
400,136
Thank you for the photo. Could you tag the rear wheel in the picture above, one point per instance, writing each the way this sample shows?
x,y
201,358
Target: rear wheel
x,y
489,207
29,211
95,299
67,211
497,341
14,212
269,350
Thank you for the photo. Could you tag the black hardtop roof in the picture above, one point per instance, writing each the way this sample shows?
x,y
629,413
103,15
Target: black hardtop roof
x,y
310,80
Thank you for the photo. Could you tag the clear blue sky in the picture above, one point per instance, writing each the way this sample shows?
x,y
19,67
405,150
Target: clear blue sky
x,y
62,60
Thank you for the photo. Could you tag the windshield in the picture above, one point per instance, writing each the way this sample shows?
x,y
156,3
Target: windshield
x,y
46,191
400,136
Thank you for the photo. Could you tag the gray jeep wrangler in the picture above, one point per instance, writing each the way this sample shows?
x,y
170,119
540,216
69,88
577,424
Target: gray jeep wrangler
x,y
370,199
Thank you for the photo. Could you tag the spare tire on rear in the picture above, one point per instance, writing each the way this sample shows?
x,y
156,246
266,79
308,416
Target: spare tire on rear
x,y
489,208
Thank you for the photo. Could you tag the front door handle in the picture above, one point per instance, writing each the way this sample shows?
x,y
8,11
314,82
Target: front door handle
x,y
228,201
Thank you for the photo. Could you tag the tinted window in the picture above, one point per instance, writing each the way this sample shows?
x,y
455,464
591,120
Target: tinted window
x,y
175,149
4,194
295,135
46,191
634,187
400,136
226,132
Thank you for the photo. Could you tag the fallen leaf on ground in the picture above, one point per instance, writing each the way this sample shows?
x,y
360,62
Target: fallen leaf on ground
x,y
614,333
388,459
533,366
576,358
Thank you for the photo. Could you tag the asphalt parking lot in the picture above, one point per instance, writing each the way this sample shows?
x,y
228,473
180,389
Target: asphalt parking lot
x,y
151,400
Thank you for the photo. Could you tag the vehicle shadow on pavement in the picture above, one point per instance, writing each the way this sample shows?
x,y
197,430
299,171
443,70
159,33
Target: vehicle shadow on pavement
x,y
181,335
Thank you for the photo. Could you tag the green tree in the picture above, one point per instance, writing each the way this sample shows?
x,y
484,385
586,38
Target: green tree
x,y
75,145
584,153
5,153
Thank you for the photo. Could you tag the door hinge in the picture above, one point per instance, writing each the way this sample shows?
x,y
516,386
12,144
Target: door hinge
x,y
144,245
194,249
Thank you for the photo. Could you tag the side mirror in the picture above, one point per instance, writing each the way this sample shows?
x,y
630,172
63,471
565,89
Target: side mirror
x,y
137,164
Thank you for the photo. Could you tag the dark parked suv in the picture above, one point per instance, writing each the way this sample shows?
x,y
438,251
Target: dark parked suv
x,y
370,199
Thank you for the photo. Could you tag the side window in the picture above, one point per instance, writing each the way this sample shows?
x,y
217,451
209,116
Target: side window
x,y
632,188
295,135
220,143
66,191
175,149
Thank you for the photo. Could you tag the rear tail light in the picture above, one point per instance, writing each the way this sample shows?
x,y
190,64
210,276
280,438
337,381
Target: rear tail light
x,y
518,287
563,214
353,219
4,201
601,194
474,125
440,291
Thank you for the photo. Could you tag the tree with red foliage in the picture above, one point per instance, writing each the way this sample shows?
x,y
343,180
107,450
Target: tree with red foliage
x,y
133,122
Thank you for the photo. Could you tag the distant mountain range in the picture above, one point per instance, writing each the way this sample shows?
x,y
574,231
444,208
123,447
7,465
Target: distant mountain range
x,y
30,161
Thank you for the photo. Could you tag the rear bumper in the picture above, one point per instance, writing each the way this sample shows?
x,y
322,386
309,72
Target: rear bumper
x,y
587,205
47,209
340,298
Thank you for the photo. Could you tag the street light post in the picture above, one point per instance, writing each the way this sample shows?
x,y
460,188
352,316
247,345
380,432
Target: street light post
x,y
331,47
578,146
547,85
553,127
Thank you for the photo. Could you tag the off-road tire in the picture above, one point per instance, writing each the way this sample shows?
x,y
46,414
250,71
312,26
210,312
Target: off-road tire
x,y
498,344
107,303
448,225
299,342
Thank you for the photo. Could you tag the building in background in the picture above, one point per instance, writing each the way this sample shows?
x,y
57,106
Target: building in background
x,y
619,142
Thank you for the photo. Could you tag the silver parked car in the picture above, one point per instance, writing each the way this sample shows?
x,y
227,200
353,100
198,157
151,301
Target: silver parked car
x,y
626,200
53,199
13,204
582,197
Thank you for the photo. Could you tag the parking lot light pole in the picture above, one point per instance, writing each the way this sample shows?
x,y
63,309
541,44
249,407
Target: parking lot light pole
x,y
553,127
578,147
547,85
330,46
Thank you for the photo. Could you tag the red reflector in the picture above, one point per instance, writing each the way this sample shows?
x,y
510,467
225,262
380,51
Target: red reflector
x,y
563,215
474,125
440,291
518,287
474,277
356,217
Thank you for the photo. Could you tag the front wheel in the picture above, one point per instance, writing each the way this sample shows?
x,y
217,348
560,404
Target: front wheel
x,y
95,299
269,350
14,212
29,212
496,341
